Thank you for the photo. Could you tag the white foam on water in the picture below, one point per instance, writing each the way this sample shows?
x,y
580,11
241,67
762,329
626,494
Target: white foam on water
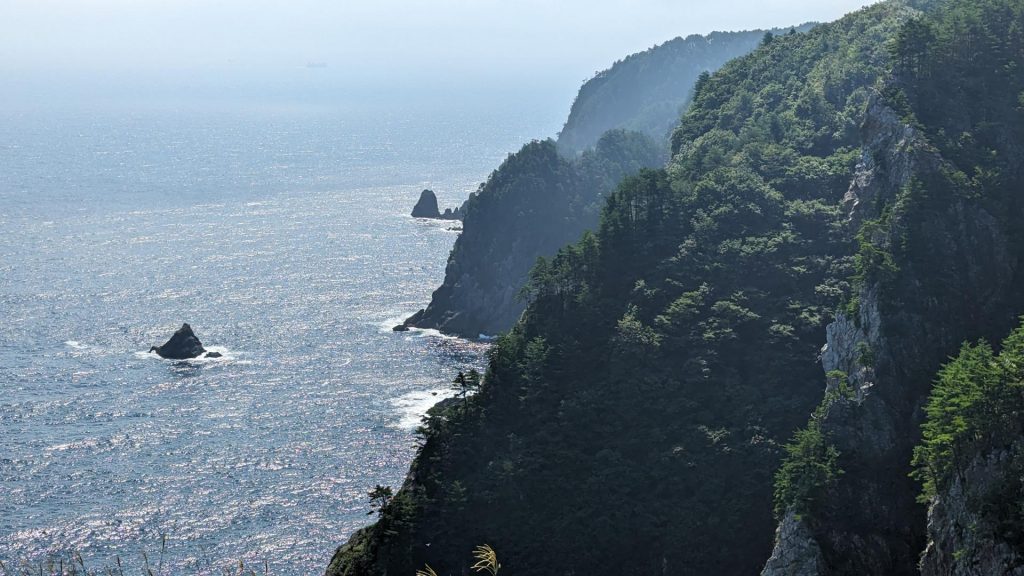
x,y
388,324
412,407
432,333
226,356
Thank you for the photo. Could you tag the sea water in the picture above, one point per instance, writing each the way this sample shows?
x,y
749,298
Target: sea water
x,y
283,238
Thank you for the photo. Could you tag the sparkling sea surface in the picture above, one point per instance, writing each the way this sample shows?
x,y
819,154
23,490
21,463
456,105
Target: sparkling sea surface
x,y
283,238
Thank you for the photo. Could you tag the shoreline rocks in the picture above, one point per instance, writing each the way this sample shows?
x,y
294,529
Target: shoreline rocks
x,y
410,322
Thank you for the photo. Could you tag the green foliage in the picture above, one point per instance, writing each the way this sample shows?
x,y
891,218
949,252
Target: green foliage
x,y
977,404
380,497
486,562
463,384
865,355
811,464
962,74
536,202
874,262
645,92
662,360
810,468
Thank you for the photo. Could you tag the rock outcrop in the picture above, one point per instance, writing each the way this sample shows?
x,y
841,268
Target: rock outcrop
x,y
183,345
410,322
858,529
917,246
962,541
426,207
889,346
797,552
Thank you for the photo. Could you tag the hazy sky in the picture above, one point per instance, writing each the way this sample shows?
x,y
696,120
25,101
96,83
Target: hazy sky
x,y
265,46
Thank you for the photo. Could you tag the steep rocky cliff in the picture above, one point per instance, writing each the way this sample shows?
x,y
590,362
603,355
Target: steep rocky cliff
x,y
872,426
963,540
940,263
536,202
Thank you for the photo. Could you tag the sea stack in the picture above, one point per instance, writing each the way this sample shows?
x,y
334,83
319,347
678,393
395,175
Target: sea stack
x,y
183,345
427,206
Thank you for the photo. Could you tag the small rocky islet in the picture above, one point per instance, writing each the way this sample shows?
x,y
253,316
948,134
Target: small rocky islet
x,y
183,345
426,207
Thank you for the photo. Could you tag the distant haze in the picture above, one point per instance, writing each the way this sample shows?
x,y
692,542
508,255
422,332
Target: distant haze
x,y
320,51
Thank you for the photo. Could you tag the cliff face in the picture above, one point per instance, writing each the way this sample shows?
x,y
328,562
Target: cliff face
x,y
872,426
535,203
962,541
940,264
796,551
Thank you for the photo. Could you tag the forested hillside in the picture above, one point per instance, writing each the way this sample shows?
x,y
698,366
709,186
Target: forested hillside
x,y
536,202
856,186
647,91
971,461
938,203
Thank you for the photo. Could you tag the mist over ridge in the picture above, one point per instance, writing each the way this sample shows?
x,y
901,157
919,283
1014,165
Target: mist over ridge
x,y
313,52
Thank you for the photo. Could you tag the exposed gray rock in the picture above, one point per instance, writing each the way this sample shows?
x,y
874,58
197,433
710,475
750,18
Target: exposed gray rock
x,y
889,348
896,144
868,427
796,552
961,542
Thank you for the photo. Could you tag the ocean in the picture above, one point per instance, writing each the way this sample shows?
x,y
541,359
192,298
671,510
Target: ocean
x,y
282,236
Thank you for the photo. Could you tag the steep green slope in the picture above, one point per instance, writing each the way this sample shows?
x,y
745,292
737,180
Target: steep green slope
x,y
971,462
647,91
937,198
534,203
631,422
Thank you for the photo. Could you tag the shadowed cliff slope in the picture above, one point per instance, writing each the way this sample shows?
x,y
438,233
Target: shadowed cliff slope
x,y
635,415
536,202
647,91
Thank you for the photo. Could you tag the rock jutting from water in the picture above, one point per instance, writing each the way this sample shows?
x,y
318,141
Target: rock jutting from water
x,y
183,345
427,207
